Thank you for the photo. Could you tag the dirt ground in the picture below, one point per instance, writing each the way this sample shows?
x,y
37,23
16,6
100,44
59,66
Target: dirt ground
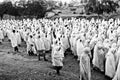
x,y
20,66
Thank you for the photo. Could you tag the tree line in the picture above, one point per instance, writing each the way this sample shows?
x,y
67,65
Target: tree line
x,y
106,6
35,8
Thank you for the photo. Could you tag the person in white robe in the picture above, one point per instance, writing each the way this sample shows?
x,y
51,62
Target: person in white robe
x,y
8,34
95,60
80,48
57,56
49,37
99,57
117,74
110,63
85,69
13,38
74,45
71,43
92,45
31,45
18,38
1,35
39,43
47,44
106,43
65,42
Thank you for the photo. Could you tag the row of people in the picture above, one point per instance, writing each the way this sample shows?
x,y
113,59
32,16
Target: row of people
x,y
95,42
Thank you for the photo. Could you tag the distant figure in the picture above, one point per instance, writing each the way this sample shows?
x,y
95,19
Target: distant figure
x,y
1,35
13,38
31,46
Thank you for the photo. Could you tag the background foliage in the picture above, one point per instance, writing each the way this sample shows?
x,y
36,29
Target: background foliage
x,y
106,6
36,8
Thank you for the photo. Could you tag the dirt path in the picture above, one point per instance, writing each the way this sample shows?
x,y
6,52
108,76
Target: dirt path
x,y
20,66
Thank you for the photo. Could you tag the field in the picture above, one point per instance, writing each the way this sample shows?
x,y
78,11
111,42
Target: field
x,y
20,66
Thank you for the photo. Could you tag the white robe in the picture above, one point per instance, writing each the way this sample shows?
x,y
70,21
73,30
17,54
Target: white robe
x,y
71,42
117,56
57,56
9,34
24,36
1,35
95,57
110,64
30,42
74,44
92,43
39,43
65,43
49,37
85,70
18,38
13,38
4,32
47,44
79,49
117,74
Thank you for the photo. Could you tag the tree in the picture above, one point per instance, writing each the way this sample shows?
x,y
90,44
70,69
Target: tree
x,y
106,6
35,8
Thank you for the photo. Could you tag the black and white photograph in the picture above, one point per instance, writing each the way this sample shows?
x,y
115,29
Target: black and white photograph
x,y
59,39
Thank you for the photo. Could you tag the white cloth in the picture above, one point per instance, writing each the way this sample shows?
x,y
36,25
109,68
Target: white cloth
x,y
39,43
110,64
57,56
65,42
31,45
85,70
79,49
1,34
18,38
13,38
47,44
95,56
117,74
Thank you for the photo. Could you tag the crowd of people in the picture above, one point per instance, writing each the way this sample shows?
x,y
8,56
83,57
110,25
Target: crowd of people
x,y
95,43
